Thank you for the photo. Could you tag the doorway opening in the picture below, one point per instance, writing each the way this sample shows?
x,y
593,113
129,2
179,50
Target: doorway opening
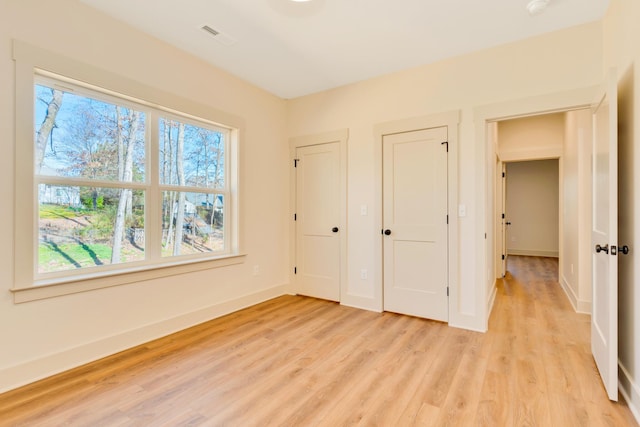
x,y
599,244
543,195
531,209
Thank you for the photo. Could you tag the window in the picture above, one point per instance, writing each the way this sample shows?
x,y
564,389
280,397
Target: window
x,y
122,186
90,162
193,183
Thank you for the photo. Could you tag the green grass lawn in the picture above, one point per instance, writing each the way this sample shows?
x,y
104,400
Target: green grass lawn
x,y
65,243
67,256
57,211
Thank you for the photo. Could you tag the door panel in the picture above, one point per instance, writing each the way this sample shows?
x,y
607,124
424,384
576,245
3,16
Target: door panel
x,y
409,262
415,215
505,226
604,316
318,212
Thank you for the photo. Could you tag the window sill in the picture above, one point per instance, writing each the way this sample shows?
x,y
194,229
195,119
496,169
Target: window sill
x,y
99,281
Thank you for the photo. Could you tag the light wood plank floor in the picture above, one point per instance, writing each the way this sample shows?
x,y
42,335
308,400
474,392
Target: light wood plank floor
x,y
297,361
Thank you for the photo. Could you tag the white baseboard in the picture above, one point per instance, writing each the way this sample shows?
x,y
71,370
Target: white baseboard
x,y
361,307
468,322
361,302
584,307
580,306
492,297
573,298
629,390
533,252
46,366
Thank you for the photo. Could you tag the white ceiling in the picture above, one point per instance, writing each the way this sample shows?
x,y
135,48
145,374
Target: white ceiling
x,y
293,49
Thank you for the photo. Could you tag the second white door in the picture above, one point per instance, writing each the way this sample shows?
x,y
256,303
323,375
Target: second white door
x,y
318,221
415,247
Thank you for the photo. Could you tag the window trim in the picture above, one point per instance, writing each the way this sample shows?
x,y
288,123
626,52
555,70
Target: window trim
x,y
102,280
30,60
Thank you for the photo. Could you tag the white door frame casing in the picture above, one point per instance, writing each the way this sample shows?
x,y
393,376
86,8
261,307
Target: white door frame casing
x,y
544,104
451,120
341,137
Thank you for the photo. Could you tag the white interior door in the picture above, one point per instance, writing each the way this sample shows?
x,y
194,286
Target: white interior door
x,y
415,245
604,236
505,221
497,215
318,221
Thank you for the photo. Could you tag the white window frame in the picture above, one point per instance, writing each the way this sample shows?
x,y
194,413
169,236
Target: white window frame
x,y
33,64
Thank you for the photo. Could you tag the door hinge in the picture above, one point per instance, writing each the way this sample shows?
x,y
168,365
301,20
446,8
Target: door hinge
x,y
295,162
295,217
502,216
445,143
447,218
503,257
295,270
503,174
447,291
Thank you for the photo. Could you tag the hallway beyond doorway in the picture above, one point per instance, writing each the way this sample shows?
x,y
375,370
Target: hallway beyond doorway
x,y
541,354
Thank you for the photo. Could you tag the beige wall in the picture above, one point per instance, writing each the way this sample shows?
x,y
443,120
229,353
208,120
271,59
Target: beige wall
x,y
42,337
508,72
535,137
532,205
621,35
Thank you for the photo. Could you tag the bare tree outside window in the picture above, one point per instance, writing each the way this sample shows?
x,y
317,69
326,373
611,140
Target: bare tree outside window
x,y
90,140
192,168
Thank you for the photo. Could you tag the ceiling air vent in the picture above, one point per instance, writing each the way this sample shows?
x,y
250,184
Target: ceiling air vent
x,y
208,29
219,36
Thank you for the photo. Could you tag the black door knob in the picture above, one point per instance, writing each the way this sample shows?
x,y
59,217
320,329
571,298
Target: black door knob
x,y
335,229
624,249
604,249
387,232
